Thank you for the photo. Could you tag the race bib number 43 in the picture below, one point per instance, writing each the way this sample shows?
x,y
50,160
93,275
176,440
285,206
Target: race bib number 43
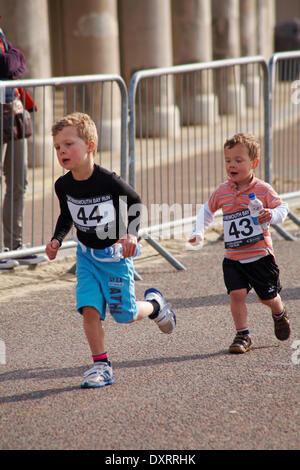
x,y
239,229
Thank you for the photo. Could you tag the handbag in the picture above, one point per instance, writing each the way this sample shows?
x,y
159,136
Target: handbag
x,y
16,122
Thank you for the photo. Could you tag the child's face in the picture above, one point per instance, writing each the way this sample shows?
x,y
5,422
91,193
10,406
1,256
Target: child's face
x,y
72,152
239,166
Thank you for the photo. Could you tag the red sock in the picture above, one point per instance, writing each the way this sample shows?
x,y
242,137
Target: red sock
x,y
100,358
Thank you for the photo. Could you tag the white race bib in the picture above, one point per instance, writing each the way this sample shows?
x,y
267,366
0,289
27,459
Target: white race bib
x,y
240,230
89,213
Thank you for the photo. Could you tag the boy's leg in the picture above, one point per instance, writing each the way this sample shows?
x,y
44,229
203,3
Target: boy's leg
x,y
274,304
88,290
279,314
237,288
94,330
119,289
145,309
101,374
267,287
242,341
163,315
158,311
239,308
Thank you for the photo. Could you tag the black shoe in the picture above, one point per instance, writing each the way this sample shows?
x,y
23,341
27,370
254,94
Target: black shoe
x,y
282,326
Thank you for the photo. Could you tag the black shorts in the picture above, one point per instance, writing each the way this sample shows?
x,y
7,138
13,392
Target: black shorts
x,y
262,275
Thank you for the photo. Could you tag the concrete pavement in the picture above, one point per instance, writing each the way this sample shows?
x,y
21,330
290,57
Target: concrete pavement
x,y
178,392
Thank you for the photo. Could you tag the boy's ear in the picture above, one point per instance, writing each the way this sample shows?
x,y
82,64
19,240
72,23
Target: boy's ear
x,y
255,163
91,146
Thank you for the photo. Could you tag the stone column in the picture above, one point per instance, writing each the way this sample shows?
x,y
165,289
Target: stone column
x,y
226,32
91,46
248,38
265,27
192,42
26,26
146,42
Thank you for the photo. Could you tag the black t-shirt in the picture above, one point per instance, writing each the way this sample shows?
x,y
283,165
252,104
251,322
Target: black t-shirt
x,y
104,203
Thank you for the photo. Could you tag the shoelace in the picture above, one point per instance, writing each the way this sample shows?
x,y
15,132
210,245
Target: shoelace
x,y
99,369
240,339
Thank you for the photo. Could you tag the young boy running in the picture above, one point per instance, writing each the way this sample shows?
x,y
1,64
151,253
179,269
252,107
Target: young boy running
x,y
92,199
249,258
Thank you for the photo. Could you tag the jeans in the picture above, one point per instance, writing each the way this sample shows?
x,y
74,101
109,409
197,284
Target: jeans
x,y
13,165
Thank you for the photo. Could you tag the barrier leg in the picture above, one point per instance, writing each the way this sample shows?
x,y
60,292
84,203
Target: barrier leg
x,y
283,233
137,277
294,218
164,253
72,270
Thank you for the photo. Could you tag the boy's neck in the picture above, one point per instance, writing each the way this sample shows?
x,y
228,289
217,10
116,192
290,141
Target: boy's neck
x,y
244,185
83,173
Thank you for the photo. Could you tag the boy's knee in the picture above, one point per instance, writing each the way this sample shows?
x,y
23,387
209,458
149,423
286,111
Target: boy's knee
x,y
238,295
270,302
124,314
90,313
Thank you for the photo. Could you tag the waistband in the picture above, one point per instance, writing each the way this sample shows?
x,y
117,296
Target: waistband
x,y
97,254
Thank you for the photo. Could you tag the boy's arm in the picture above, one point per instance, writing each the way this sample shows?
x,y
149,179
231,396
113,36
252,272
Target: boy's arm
x,y
275,210
52,248
64,222
130,208
203,220
63,225
61,230
279,213
275,215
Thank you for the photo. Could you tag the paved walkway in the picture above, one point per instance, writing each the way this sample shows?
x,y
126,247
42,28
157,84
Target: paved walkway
x,y
179,392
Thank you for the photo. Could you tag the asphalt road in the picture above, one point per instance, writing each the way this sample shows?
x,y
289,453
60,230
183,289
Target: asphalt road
x,y
182,391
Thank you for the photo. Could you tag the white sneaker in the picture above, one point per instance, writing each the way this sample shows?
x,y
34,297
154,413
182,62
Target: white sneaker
x,y
8,263
166,318
31,259
98,376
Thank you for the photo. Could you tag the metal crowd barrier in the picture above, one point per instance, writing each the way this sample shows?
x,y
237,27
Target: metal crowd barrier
x,y
171,148
180,117
284,103
105,98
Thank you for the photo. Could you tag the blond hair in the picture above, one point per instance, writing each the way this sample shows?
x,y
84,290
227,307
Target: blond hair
x,y
250,141
86,128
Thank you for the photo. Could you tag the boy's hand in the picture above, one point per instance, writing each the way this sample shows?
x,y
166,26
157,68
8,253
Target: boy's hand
x,y
128,243
195,240
52,249
265,216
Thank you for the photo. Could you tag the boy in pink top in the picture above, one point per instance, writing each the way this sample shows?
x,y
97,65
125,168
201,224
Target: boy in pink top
x,y
249,258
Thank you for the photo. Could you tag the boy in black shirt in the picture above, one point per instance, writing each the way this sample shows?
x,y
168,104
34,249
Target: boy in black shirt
x,y
94,199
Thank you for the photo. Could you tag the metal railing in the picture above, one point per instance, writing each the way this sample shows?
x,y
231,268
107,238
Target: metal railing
x,y
105,98
171,148
284,138
284,102
180,117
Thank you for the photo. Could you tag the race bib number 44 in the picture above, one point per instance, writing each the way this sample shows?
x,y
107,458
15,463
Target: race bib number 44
x,y
90,213
239,229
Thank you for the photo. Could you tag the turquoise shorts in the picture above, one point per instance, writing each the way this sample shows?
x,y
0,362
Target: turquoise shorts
x,y
102,282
